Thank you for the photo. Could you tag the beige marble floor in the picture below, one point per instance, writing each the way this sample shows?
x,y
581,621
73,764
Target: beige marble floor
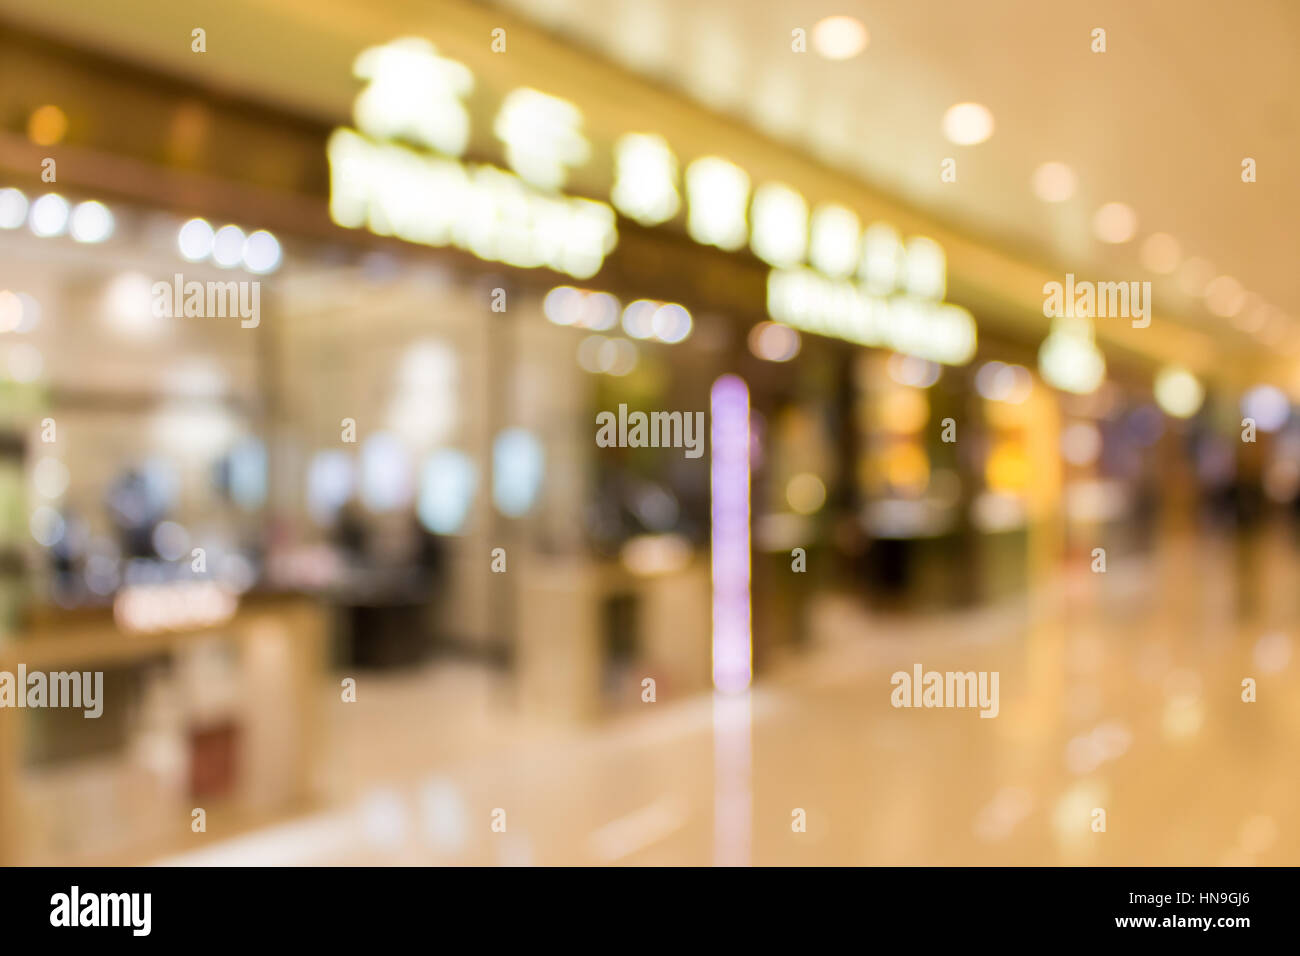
x,y
1118,691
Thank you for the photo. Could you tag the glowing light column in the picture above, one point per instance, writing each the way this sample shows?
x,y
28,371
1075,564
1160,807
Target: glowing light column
x,y
729,489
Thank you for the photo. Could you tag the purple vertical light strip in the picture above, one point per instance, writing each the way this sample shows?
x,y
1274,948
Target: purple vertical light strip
x,y
729,490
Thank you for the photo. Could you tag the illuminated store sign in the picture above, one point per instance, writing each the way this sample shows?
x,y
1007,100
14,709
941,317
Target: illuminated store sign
x,y
429,196
400,174
645,184
717,195
810,302
395,191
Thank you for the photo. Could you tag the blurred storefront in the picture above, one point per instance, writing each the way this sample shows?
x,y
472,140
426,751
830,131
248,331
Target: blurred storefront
x,y
387,454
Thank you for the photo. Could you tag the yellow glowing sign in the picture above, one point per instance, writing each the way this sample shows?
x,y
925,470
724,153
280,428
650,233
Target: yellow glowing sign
x,y
394,191
645,179
399,176
413,94
780,236
428,196
835,239
718,194
809,301
542,135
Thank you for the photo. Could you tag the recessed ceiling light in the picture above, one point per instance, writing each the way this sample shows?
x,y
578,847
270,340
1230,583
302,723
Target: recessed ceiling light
x,y
1054,182
1224,296
967,124
1115,222
1195,275
1161,253
839,38
1254,314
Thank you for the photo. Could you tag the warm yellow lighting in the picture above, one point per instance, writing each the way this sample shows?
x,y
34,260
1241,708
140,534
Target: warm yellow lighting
x,y
1178,392
1161,253
645,179
1069,358
413,95
902,410
999,382
1195,275
907,467
806,493
391,190
780,231
47,125
912,371
1007,468
718,192
188,605
1224,296
839,38
881,268
836,233
1254,315
1054,182
652,555
774,342
810,302
967,124
926,275
1115,222
542,135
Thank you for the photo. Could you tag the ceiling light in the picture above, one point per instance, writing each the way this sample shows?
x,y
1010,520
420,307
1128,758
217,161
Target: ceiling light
x,y
839,38
1195,275
1054,182
1115,222
1254,315
967,124
1161,253
1224,296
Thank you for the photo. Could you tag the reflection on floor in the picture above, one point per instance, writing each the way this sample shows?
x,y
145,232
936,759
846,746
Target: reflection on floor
x,y
1119,692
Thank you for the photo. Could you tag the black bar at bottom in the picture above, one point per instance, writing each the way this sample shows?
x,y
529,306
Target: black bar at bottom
x,y
371,906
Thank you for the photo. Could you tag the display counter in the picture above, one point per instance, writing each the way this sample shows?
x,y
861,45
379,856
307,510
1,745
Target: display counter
x,y
218,716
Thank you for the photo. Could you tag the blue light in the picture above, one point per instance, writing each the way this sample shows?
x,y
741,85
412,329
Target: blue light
x,y
518,464
447,484
329,484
